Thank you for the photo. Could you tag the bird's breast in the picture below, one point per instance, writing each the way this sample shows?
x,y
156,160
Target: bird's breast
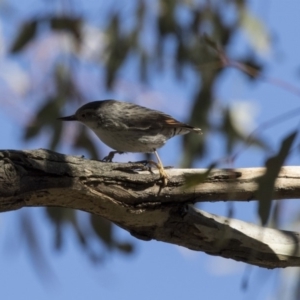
x,y
131,140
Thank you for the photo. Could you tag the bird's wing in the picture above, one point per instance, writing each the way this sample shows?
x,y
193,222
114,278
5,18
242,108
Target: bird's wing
x,y
145,118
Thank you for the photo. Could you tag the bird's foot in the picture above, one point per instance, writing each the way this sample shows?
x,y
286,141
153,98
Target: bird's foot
x,y
163,174
110,156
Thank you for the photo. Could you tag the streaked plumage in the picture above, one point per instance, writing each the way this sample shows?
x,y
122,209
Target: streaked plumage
x,y
127,127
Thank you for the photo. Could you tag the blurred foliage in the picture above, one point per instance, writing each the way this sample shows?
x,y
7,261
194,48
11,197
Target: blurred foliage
x,y
201,33
60,23
234,135
30,235
99,229
194,179
197,41
266,182
26,34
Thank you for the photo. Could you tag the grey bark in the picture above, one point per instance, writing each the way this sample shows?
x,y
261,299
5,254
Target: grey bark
x,y
134,200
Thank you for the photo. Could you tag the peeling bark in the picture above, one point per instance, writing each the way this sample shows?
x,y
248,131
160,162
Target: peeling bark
x,y
132,198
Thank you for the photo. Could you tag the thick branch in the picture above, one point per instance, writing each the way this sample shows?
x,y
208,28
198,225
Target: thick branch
x,y
135,201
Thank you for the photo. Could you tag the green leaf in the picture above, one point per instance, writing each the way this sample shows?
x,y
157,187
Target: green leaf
x,y
117,49
166,22
60,216
57,131
253,69
210,42
234,133
103,229
69,24
194,179
26,34
30,235
255,30
72,25
45,117
125,247
84,141
266,182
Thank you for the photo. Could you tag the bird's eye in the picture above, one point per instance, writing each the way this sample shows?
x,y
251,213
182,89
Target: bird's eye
x,y
83,115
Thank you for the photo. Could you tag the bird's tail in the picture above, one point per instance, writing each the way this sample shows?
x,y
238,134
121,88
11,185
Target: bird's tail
x,y
187,128
197,130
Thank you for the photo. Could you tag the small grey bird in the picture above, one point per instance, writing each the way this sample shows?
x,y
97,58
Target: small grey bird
x,y
127,127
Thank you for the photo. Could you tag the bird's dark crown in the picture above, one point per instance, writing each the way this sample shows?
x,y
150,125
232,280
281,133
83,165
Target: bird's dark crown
x,y
98,104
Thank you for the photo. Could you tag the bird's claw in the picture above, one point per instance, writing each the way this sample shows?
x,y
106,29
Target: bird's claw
x,y
110,156
163,175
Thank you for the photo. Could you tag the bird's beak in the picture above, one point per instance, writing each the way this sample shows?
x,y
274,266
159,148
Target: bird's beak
x,y
69,118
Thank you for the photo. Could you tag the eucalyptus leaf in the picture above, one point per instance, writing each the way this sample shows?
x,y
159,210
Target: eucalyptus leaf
x,y
25,35
266,182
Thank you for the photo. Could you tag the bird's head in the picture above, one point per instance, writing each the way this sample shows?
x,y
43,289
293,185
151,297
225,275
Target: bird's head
x,y
89,114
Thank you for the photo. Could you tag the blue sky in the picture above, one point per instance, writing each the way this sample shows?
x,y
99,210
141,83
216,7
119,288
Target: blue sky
x,y
157,270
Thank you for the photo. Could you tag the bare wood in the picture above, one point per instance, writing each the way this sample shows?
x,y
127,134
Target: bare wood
x,y
133,200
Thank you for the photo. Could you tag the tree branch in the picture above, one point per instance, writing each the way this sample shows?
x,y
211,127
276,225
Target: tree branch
x,y
134,200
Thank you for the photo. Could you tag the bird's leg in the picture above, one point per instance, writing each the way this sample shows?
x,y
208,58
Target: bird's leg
x,y
159,166
111,155
162,172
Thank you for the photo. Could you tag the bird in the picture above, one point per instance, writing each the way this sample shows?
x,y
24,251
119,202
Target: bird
x,y
128,127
